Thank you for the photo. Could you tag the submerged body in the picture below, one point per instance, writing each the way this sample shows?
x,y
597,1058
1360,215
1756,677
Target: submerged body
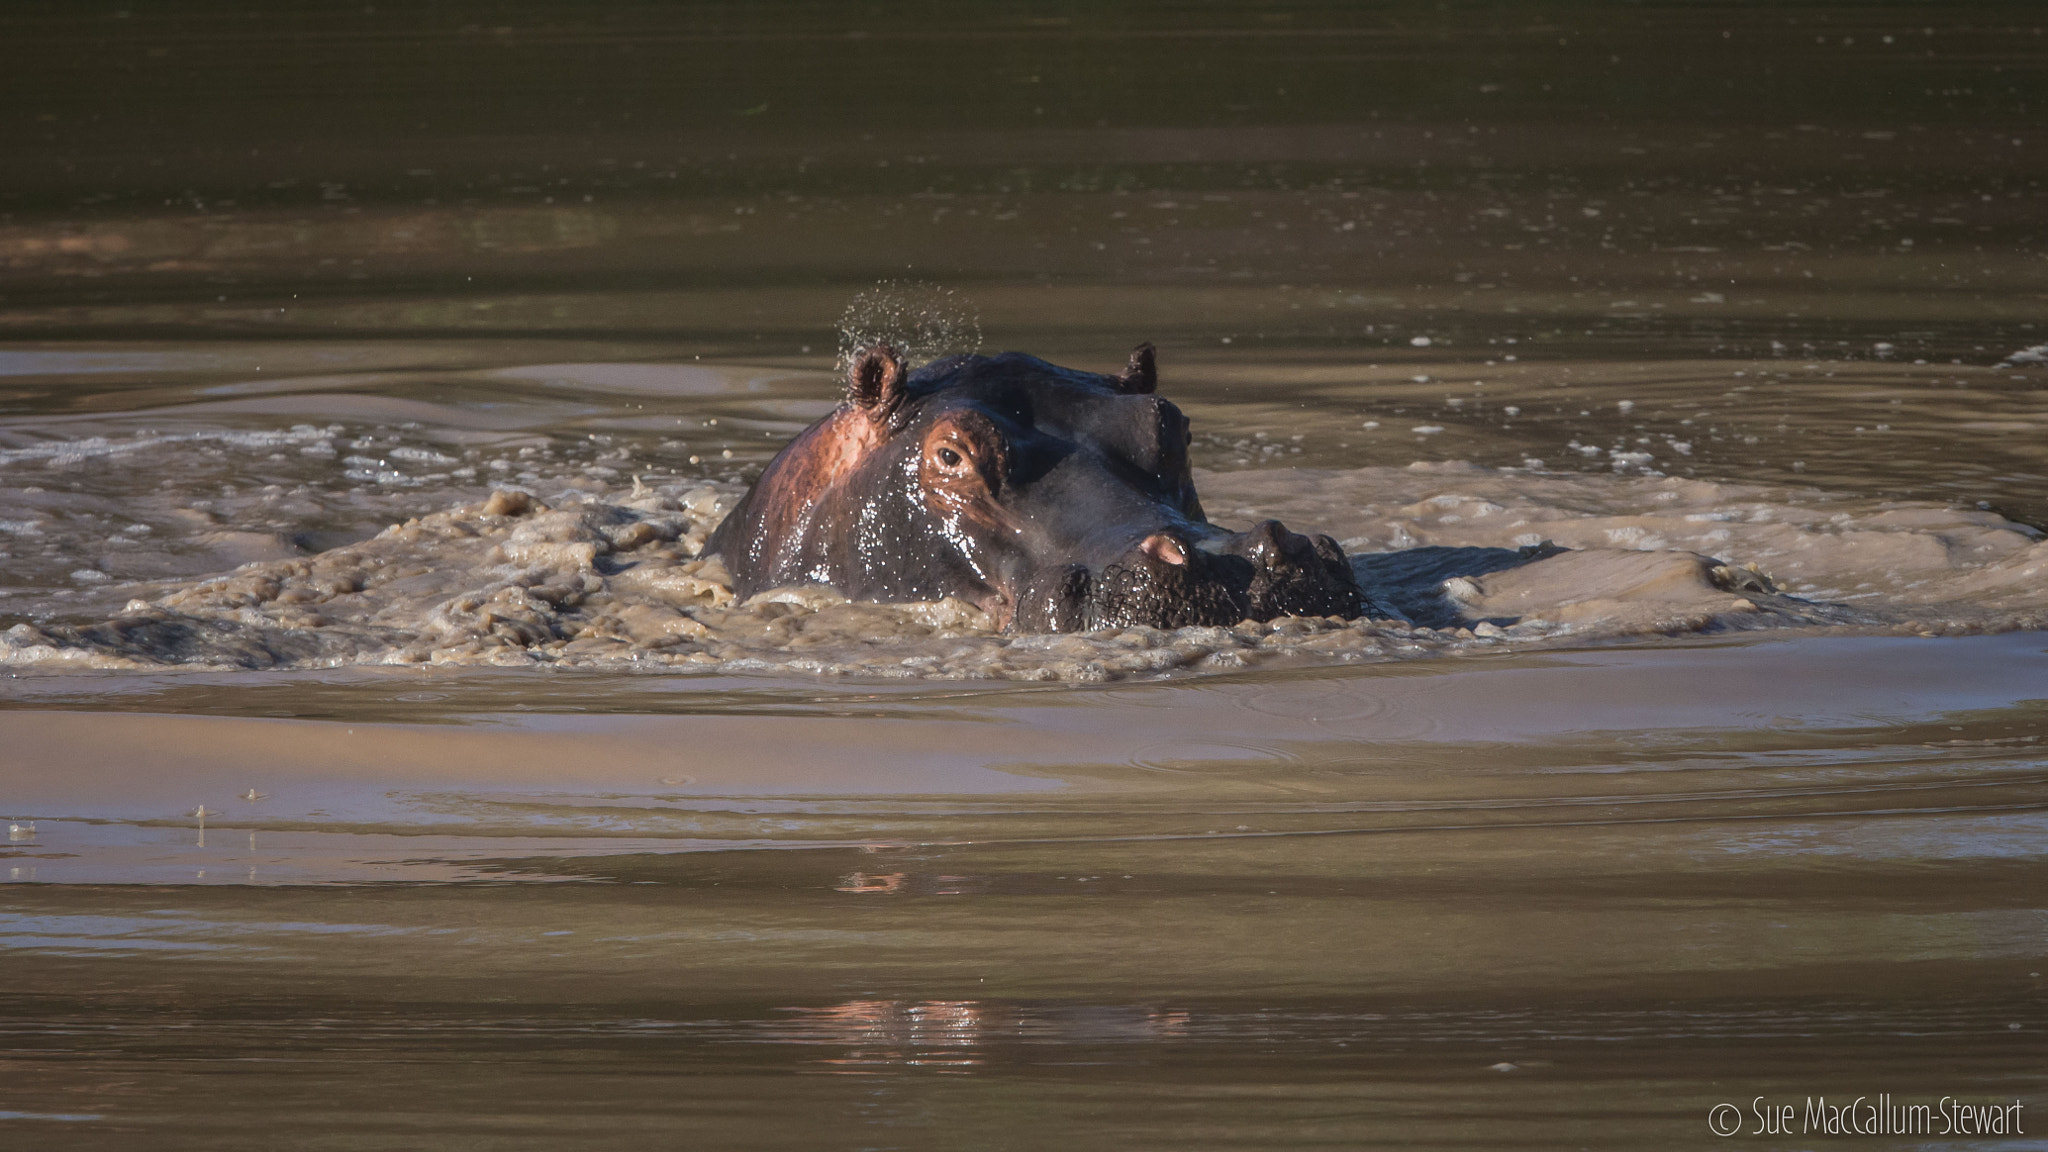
x,y
1054,500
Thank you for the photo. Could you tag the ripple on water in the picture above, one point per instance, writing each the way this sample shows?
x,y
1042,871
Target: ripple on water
x,y
1211,757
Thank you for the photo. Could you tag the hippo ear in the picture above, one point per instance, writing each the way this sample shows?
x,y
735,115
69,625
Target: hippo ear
x,y
874,383
1142,375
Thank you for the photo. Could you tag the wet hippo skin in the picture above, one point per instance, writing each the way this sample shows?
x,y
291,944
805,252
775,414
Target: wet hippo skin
x,y
1053,499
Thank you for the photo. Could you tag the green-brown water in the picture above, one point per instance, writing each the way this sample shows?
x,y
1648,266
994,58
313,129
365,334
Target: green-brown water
x,y
271,281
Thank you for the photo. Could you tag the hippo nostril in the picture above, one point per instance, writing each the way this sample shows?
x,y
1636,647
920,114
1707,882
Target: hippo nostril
x,y
1164,549
1263,542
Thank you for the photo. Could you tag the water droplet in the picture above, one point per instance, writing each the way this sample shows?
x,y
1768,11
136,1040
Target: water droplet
x,y
920,320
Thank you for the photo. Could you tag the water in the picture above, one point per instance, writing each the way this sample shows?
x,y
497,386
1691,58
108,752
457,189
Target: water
x,y
1592,842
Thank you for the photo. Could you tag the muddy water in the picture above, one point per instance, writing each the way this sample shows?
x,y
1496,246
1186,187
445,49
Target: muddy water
x,y
386,766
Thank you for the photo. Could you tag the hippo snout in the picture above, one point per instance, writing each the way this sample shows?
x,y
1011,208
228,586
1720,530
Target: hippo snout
x,y
1292,574
1172,579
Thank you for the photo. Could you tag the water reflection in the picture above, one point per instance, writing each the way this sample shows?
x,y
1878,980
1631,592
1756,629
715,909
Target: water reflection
x,y
911,883
929,1033
962,1034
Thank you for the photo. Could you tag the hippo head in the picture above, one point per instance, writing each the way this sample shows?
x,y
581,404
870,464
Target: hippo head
x,y
1053,499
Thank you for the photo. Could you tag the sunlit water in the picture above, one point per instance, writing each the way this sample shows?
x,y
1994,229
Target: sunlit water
x,y
384,766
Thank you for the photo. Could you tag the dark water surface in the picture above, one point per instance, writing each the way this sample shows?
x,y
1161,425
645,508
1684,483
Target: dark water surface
x,y
272,281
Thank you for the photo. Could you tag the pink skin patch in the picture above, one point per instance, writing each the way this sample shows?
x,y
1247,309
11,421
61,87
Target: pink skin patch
x,y
1164,549
811,476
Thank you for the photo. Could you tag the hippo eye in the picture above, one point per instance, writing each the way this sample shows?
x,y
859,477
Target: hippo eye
x,y
949,458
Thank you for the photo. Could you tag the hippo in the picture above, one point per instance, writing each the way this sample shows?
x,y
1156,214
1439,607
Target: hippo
x,y
1053,499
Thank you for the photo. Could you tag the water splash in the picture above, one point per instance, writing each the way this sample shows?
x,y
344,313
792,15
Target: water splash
x,y
923,321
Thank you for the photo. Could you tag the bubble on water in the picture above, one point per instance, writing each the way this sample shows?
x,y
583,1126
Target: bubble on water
x,y
922,321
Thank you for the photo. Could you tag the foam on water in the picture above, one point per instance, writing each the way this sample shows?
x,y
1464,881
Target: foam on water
x,y
223,520
1471,557
62,452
